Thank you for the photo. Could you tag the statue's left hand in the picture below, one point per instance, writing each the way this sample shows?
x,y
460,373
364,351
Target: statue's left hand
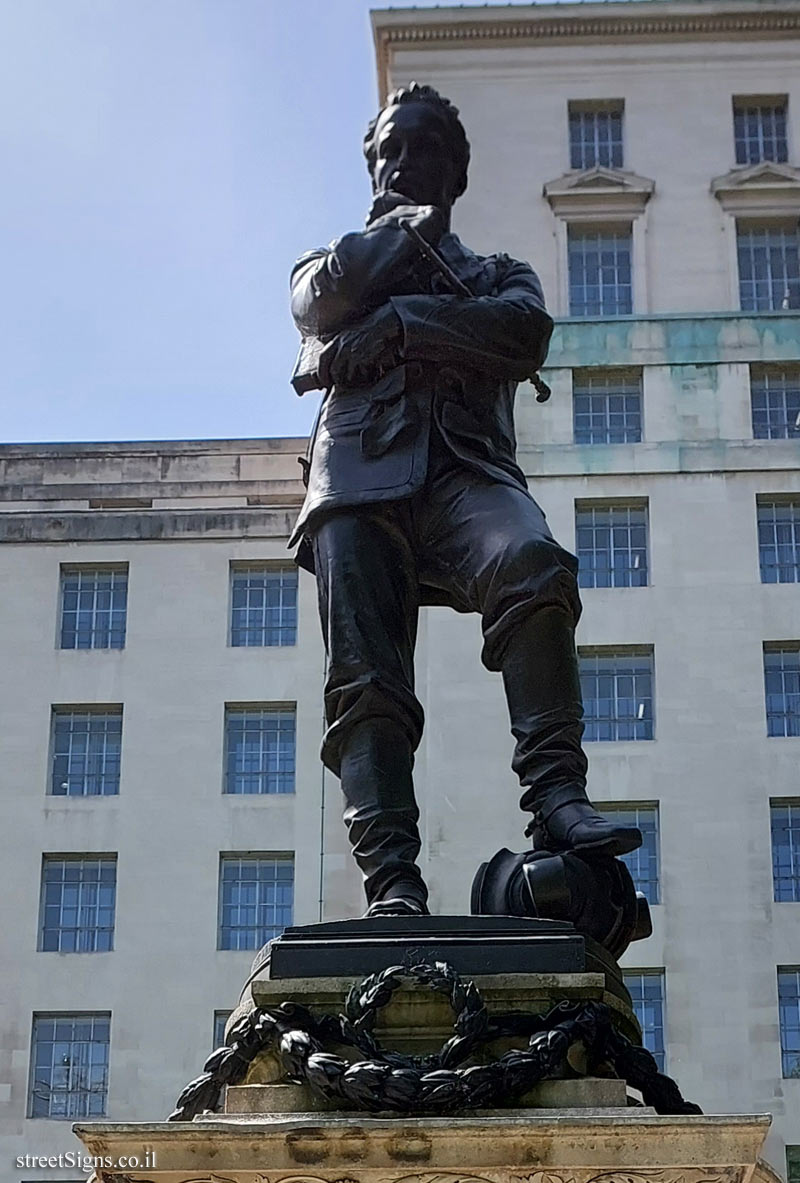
x,y
362,354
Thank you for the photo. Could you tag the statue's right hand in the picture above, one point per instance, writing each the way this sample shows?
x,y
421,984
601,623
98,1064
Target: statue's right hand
x,y
427,220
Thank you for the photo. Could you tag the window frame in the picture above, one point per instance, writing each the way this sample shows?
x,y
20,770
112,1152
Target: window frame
x,y
768,225
792,1163
792,804
620,651
742,104
611,383
657,972
783,375
287,709
619,229
782,647
615,810
611,504
220,1020
774,502
595,107
61,710
793,1072
67,569
239,567
74,1017
51,859
226,858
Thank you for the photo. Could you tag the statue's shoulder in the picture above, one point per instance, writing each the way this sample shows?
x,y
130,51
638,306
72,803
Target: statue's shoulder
x,y
491,270
311,256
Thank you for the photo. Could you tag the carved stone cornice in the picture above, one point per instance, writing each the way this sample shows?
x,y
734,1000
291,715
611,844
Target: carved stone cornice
x,y
597,193
759,190
471,31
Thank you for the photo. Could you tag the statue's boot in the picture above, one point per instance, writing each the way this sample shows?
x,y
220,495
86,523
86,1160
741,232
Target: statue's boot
x,y
542,684
382,817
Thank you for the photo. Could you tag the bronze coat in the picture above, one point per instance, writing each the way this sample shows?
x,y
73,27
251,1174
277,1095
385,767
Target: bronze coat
x,y
462,361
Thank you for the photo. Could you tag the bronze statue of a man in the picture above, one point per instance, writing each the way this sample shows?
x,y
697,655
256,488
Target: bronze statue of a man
x,y
415,497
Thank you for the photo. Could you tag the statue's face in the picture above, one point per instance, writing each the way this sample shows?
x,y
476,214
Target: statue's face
x,y
413,155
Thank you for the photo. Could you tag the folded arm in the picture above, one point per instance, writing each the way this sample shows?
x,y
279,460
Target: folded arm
x,y
334,287
506,334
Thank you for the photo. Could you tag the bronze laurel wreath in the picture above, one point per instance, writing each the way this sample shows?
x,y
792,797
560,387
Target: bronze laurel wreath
x,y
432,1084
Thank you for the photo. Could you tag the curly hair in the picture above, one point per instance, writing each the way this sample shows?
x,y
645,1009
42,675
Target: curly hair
x,y
457,138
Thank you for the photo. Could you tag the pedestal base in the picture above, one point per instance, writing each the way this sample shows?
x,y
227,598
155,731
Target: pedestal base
x,y
520,1147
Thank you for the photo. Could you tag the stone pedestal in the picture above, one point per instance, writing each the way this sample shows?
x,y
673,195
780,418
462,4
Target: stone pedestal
x,y
526,1146
576,1128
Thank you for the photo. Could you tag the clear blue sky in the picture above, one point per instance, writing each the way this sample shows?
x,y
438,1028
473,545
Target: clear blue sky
x,y
163,163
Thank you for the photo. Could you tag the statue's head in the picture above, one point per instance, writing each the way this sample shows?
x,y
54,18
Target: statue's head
x,y
417,146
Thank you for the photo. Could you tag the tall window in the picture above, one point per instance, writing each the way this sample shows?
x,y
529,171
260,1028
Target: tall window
x,y
779,539
646,988
782,686
789,1018
617,693
599,270
256,899
86,752
259,749
220,1021
775,402
785,824
759,129
94,603
643,863
769,267
611,543
77,904
607,406
595,134
69,1072
263,605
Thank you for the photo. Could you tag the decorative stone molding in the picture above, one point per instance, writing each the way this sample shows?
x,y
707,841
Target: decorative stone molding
x,y
598,194
513,1146
759,190
465,29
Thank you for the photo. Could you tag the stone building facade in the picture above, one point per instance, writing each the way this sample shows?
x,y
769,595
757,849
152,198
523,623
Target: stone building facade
x,y
160,713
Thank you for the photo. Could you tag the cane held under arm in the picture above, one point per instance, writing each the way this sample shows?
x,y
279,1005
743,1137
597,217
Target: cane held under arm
x,y
459,288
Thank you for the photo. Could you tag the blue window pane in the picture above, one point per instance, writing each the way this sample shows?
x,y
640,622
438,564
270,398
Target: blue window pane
x,y
611,544
256,899
70,1074
617,694
789,1020
760,131
782,689
595,136
769,267
77,914
86,753
643,863
779,540
607,407
260,751
599,271
264,606
93,607
785,824
220,1020
775,401
646,988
